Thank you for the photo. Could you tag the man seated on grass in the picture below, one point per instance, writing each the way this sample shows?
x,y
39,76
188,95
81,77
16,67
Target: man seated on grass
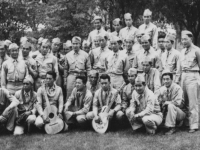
x,y
170,97
78,104
144,108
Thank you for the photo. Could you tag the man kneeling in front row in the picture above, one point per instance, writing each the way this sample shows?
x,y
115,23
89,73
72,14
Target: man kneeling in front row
x,y
144,108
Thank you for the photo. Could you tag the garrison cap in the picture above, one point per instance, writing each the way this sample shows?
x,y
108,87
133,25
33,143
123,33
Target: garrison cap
x,y
13,46
7,42
186,32
132,70
170,37
56,40
127,16
139,79
76,39
147,12
26,44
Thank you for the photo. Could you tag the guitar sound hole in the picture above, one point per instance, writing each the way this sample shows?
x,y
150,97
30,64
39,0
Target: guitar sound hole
x,y
51,115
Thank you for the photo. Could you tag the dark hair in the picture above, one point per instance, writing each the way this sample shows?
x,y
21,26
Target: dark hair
x,y
190,35
161,35
52,73
105,76
83,78
168,74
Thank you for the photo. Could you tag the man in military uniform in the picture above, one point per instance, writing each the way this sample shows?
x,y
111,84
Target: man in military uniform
x,y
93,83
137,47
117,24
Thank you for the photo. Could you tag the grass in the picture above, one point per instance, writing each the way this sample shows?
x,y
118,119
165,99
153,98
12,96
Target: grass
x,y
89,140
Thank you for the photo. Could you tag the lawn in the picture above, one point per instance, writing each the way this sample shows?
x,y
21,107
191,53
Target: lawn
x,y
113,140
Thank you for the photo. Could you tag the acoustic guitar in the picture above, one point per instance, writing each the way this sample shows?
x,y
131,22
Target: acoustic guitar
x,y
56,124
101,125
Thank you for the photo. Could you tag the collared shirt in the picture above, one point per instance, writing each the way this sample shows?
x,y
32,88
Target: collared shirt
x,y
55,99
152,79
101,100
33,65
34,54
82,102
170,60
131,55
93,34
51,90
28,102
127,32
6,99
98,57
117,63
151,30
92,89
6,57
175,95
151,54
137,48
47,63
127,95
144,104
115,33
13,71
77,62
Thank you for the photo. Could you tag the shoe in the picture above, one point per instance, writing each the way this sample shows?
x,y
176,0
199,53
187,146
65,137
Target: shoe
x,y
192,130
171,131
151,125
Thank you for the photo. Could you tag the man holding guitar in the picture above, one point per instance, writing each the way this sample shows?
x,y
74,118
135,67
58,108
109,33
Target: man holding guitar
x,y
48,96
103,97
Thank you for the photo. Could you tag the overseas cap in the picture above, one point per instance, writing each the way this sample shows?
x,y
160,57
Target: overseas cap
x,y
13,46
147,12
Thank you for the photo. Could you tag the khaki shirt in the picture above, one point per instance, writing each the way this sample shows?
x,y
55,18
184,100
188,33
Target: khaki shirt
x,y
6,57
152,79
137,48
98,58
145,105
92,89
13,71
33,65
117,63
127,95
131,56
46,63
77,62
151,30
127,32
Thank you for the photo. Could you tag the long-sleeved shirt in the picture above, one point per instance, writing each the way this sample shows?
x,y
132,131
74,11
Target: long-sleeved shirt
x,y
127,95
151,54
55,98
127,32
33,65
131,56
77,62
93,34
144,104
137,48
174,94
151,30
82,102
94,88
117,63
152,79
98,57
28,102
100,98
13,71
47,63
7,100
6,57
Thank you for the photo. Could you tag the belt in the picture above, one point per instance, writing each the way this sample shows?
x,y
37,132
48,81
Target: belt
x,y
190,71
15,83
77,74
113,74
100,70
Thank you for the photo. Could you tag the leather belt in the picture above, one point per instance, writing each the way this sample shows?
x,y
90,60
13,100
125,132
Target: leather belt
x,y
190,71
15,83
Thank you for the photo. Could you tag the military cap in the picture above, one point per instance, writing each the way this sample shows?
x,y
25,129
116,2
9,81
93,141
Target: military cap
x,y
132,70
29,79
139,79
13,46
186,32
23,39
40,40
7,42
68,43
127,16
140,32
26,45
97,18
56,40
170,37
2,44
147,12
145,37
85,42
117,20
46,42
76,39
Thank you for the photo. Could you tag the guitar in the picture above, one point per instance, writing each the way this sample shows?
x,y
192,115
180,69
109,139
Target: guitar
x,y
101,125
56,124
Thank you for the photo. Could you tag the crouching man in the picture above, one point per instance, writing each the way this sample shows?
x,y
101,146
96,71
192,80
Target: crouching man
x,y
78,104
8,111
26,108
170,97
144,108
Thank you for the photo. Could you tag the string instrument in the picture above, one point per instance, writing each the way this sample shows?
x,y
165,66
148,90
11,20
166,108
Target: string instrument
x,y
101,125
56,124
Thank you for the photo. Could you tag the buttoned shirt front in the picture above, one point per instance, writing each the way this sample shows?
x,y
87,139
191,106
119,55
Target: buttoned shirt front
x,y
151,30
117,63
13,70
77,62
47,63
33,65
127,95
127,32
98,57
131,55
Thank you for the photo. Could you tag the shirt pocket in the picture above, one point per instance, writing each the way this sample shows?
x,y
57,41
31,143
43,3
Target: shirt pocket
x,y
71,63
22,71
10,74
80,64
191,61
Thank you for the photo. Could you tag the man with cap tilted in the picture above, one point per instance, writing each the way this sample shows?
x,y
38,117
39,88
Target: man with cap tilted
x,y
117,24
77,62
189,66
98,30
129,30
116,64
14,70
98,55
170,97
45,62
27,106
149,28
152,75
144,108
148,52
170,57
3,54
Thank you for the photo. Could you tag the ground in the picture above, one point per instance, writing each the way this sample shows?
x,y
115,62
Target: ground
x,y
114,140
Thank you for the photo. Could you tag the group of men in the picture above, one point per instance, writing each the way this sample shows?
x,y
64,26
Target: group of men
x,y
162,83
